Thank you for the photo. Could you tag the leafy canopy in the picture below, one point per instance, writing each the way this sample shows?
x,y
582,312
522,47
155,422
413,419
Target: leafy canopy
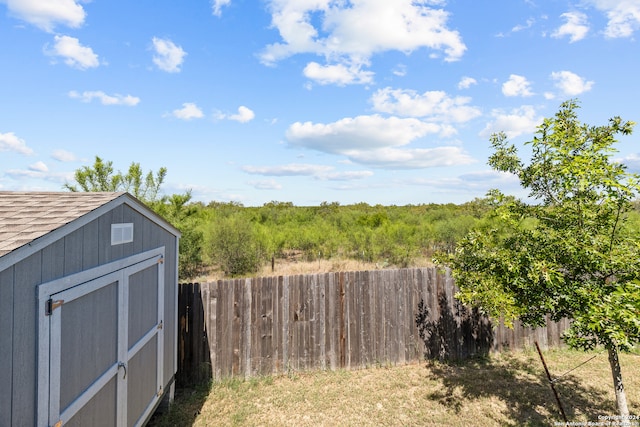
x,y
570,253
101,177
176,208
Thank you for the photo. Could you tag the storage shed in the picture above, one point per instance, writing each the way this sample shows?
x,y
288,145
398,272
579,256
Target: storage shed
x,y
88,309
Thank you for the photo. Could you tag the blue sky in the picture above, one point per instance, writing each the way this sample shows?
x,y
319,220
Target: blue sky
x,y
376,101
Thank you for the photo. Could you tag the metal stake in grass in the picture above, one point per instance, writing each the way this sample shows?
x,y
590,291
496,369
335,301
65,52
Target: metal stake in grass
x,y
555,393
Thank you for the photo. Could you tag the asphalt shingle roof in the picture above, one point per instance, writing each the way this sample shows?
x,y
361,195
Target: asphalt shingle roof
x,y
25,216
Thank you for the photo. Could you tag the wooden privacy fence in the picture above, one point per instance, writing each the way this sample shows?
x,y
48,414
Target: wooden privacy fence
x,y
270,325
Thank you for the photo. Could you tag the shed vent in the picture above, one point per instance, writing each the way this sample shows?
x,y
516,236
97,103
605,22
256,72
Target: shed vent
x,y
121,233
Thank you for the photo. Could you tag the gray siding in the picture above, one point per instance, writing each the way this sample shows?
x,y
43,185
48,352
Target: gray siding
x,y
129,215
106,252
100,411
76,253
143,303
79,250
86,253
170,304
142,382
6,338
27,276
53,258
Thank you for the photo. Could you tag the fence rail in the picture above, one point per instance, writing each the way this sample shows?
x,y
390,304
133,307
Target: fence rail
x,y
270,325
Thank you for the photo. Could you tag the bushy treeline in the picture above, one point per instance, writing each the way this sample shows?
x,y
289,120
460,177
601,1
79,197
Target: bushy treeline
x,y
239,239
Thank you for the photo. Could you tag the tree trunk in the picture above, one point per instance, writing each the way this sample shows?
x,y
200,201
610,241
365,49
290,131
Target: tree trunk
x,y
621,397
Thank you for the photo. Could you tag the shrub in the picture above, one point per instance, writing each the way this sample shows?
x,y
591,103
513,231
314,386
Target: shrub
x,y
236,246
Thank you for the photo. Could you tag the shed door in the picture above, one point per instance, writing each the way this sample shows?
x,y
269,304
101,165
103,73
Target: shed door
x,y
103,365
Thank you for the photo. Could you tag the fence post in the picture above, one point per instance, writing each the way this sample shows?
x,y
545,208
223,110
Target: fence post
x,y
343,338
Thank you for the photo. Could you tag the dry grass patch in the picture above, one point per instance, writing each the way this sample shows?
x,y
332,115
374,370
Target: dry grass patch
x,y
504,390
293,266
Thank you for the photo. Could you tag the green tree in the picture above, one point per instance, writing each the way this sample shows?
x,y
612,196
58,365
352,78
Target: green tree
x,y
102,177
571,254
176,208
146,189
184,215
99,177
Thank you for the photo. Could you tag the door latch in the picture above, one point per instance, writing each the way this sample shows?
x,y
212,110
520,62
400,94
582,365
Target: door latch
x,y
123,365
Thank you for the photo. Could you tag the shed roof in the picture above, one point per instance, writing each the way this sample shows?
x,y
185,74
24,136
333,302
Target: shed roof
x,y
25,216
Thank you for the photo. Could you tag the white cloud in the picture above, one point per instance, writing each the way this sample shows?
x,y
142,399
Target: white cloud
x,y
350,33
244,115
39,170
346,176
63,156
434,105
473,181
168,56
74,54
116,99
39,166
516,86
374,140
292,169
321,172
490,177
360,133
570,83
400,70
576,27
412,158
217,6
18,174
514,123
632,161
338,74
34,173
188,111
268,184
10,142
623,16
466,82
529,23
48,13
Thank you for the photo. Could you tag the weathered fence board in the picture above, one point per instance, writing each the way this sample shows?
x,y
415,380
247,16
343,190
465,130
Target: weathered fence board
x,y
271,325
194,352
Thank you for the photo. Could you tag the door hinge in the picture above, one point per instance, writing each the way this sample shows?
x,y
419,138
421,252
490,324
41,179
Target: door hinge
x,y
159,393
160,325
52,305
161,260
58,424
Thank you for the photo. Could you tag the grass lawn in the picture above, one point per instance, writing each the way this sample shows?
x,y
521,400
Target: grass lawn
x,y
509,389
